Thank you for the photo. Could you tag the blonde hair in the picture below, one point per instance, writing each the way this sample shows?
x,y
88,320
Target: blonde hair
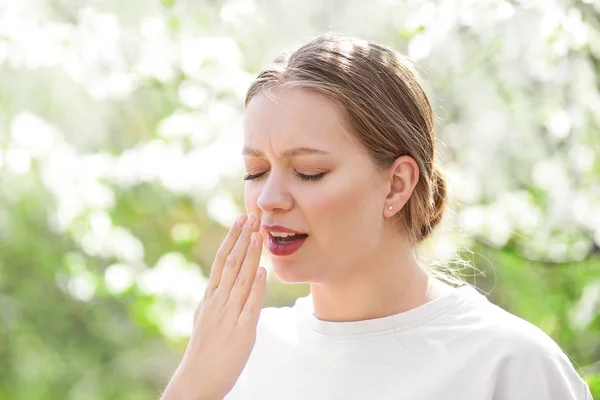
x,y
385,106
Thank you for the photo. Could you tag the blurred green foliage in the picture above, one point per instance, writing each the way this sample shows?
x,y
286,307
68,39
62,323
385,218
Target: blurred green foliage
x,y
120,170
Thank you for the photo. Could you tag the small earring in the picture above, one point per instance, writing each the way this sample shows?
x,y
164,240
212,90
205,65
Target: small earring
x,y
390,208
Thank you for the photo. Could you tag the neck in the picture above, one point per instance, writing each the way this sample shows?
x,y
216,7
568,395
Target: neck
x,y
389,284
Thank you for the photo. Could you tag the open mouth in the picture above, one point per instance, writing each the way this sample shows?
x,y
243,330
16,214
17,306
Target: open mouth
x,y
284,238
284,241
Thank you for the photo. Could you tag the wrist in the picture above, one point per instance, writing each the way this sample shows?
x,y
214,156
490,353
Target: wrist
x,y
184,385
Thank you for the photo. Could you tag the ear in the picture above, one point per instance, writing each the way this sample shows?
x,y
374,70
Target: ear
x,y
402,176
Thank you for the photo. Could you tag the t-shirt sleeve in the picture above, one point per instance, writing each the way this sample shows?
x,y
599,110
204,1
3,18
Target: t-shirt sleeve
x,y
538,369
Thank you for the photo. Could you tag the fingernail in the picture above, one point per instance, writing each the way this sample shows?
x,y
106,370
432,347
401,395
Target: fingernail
x,y
260,273
251,219
240,220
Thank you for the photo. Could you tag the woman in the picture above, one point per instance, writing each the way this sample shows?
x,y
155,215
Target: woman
x,y
342,186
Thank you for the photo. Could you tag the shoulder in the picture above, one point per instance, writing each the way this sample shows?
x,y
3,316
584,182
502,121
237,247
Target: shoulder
x,y
489,325
520,337
528,360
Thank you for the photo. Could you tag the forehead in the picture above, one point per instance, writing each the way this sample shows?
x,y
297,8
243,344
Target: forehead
x,y
294,117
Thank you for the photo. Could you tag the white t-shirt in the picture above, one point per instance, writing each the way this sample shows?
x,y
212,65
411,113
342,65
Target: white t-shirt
x,y
456,347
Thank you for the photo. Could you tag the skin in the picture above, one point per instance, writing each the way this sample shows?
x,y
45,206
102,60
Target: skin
x,y
225,320
358,264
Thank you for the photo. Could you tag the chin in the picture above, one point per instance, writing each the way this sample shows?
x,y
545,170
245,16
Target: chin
x,y
291,272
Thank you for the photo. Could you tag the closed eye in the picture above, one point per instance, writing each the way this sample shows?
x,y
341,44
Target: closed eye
x,y
310,177
251,177
304,177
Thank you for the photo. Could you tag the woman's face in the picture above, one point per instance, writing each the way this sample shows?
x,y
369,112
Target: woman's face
x,y
310,176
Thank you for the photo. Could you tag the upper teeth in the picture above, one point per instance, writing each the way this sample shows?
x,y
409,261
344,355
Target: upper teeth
x,y
282,234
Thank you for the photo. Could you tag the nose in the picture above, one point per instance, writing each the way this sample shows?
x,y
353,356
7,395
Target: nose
x,y
274,194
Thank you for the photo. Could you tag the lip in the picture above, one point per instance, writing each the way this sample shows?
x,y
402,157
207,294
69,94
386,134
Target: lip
x,y
278,249
279,228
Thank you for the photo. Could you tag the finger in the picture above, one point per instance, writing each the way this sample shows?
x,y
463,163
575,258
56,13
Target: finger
x,y
251,311
235,259
224,250
243,283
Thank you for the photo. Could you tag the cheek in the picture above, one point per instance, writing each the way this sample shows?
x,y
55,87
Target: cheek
x,y
251,195
343,214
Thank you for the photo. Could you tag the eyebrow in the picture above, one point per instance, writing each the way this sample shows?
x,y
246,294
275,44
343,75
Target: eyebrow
x,y
296,151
